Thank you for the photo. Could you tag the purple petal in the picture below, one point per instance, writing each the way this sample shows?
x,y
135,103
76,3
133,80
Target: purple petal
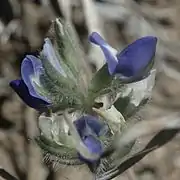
x,y
136,56
89,128
49,53
109,52
31,68
87,125
94,146
21,89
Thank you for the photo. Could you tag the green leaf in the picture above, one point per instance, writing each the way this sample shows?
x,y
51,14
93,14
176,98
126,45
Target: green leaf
x,y
128,109
62,96
121,104
71,55
66,86
107,169
57,154
101,81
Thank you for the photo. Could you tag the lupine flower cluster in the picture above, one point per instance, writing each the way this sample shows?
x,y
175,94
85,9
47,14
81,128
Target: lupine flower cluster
x,y
59,84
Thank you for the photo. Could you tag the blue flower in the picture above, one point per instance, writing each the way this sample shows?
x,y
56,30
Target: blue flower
x,y
26,88
22,90
132,61
90,129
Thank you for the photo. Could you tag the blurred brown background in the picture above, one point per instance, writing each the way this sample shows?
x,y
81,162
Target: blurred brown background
x,y
24,24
